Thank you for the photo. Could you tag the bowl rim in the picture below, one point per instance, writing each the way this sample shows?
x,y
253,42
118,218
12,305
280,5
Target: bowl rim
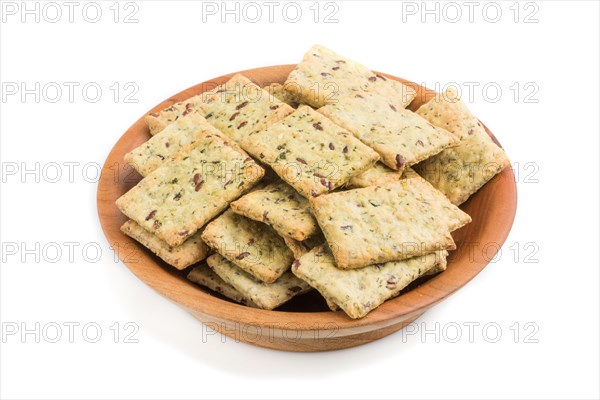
x,y
214,309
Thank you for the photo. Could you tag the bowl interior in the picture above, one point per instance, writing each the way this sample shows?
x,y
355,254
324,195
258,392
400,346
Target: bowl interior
x,y
492,209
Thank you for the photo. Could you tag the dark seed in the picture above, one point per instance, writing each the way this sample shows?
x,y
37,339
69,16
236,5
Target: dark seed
x,y
235,114
318,126
346,227
177,196
242,105
151,215
242,255
183,233
296,264
399,160
301,160
420,142
266,216
331,146
198,182
392,107
381,77
326,75
295,289
242,124
372,79
156,224
335,68
275,107
345,149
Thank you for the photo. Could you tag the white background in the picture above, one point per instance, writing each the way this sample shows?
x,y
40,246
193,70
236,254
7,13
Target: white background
x,y
170,49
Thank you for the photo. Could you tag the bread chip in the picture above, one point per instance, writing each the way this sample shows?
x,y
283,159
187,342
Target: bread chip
x,y
310,152
253,246
460,171
387,223
265,295
182,195
359,291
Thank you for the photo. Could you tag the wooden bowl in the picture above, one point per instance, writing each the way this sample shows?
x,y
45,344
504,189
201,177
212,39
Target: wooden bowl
x,y
305,323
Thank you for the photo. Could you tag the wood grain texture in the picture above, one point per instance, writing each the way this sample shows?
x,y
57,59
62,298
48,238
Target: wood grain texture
x,y
304,324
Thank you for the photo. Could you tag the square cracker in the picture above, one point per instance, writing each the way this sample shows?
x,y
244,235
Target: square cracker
x,y
164,145
359,291
324,77
400,136
204,276
387,223
251,245
310,152
239,107
265,295
189,252
182,195
460,171
380,175
281,207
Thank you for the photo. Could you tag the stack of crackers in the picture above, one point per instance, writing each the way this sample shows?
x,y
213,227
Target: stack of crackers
x,y
326,182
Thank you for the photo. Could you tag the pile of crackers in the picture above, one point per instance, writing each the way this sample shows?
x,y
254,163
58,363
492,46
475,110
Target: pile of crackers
x,y
326,182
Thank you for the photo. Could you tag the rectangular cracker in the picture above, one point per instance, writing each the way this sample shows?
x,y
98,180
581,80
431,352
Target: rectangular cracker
x,y
182,195
387,223
460,171
168,142
359,291
239,107
189,252
203,275
401,137
380,175
265,295
251,245
324,77
310,152
281,207
160,120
